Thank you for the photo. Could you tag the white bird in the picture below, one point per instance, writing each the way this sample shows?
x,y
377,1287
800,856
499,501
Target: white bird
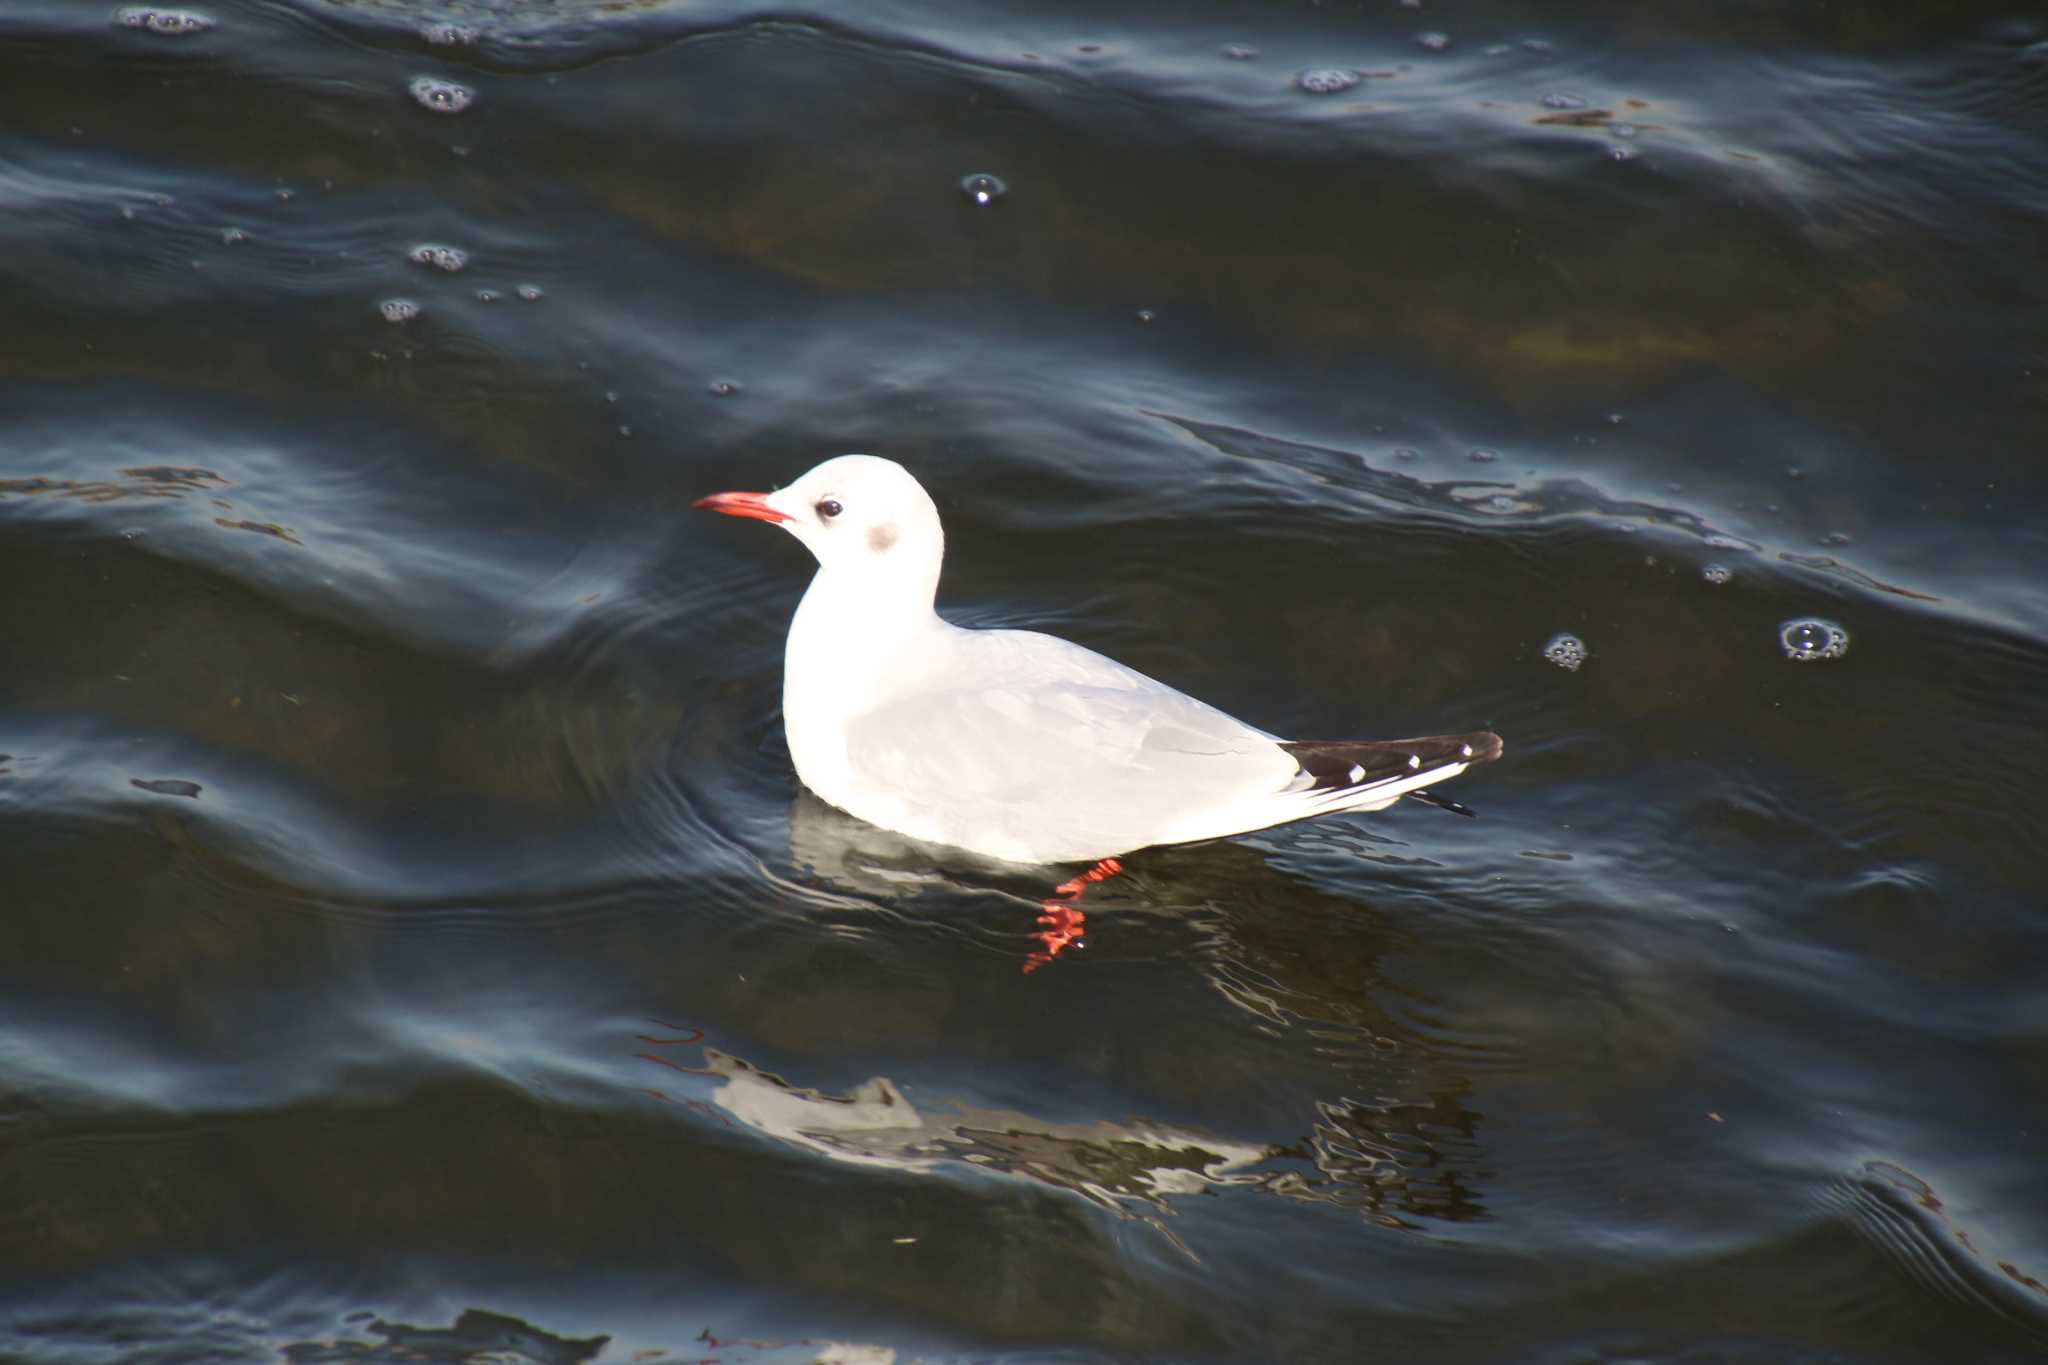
x,y
1014,744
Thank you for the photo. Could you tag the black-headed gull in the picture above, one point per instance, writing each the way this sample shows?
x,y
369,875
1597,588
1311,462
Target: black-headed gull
x,y
1013,744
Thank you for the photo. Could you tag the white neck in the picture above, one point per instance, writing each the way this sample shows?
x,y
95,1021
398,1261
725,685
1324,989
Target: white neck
x,y
843,659
849,621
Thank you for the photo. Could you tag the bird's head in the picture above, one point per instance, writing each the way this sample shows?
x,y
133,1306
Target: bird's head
x,y
868,522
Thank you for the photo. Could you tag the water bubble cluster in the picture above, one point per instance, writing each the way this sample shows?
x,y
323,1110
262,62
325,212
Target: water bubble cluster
x,y
1566,651
1434,42
1239,52
448,258
1326,80
723,388
233,236
1808,638
443,97
399,310
532,293
171,23
983,188
1563,99
1717,574
450,35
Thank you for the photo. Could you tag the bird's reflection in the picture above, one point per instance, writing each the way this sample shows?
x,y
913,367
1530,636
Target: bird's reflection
x,y
875,1124
1407,1157
852,855
867,860
1377,1160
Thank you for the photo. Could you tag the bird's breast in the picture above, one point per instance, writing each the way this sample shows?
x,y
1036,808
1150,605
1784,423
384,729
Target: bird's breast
x,y
840,663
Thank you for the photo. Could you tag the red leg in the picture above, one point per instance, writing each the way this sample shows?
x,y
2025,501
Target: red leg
x,y
1063,921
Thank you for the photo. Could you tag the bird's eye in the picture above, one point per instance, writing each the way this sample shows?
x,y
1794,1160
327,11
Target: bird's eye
x,y
829,508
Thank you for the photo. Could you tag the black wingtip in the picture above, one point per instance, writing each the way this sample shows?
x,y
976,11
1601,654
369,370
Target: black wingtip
x,y
1340,763
1429,798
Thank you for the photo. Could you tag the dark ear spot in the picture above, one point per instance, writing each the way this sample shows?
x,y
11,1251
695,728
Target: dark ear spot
x,y
881,537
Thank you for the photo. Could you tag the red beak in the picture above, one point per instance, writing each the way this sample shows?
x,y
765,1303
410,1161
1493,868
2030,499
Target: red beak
x,y
753,505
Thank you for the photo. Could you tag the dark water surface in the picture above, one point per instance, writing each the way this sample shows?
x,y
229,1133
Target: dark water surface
x,y
415,945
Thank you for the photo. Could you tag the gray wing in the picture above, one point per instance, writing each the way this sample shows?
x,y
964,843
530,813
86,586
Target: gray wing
x,y
1044,729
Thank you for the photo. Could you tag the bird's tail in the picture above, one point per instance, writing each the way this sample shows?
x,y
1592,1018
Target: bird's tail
x,y
1367,774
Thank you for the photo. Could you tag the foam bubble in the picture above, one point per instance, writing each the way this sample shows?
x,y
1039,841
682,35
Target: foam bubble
x,y
1326,80
450,35
532,293
1717,574
724,388
1566,651
982,187
170,23
1808,638
399,310
448,258
1240,52
1434,42
443,97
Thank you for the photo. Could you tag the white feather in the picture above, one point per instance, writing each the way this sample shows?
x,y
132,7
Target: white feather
x,y
1011,744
